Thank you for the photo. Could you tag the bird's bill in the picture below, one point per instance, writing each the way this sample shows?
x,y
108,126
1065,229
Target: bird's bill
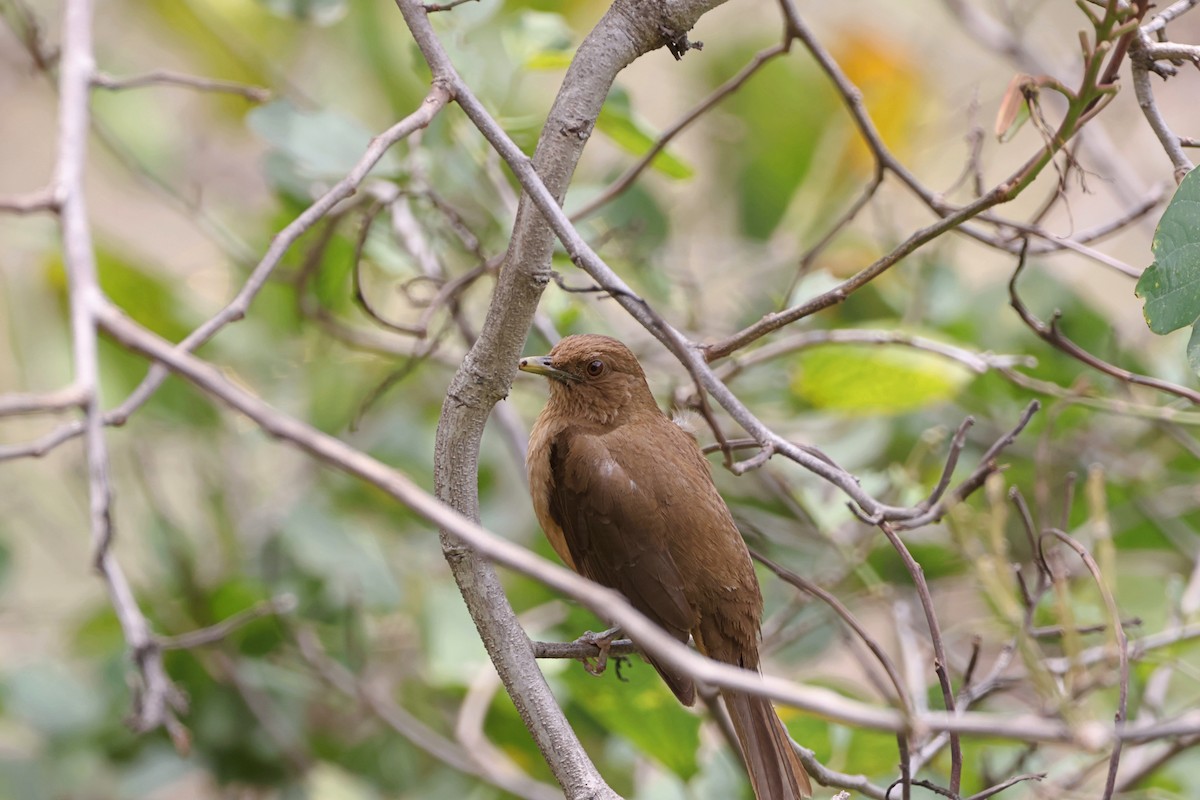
x,y
542,365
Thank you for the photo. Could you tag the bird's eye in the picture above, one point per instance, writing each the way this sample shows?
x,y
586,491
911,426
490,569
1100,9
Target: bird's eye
x,y
595,368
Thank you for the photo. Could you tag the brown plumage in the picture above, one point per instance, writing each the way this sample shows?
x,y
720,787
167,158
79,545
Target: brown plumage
x,y
626,498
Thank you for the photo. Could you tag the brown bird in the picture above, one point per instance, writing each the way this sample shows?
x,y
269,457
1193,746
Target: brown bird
x,y
626,499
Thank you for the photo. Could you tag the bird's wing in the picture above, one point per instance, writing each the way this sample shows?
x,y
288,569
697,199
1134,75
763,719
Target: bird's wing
x,y
612,528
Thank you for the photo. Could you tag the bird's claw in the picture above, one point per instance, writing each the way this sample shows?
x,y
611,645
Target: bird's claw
x,y
603,643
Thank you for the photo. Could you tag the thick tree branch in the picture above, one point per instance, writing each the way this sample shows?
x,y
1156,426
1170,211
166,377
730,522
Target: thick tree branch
x,y
629,29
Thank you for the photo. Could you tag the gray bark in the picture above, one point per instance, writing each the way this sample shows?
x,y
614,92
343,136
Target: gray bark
x,y
628,30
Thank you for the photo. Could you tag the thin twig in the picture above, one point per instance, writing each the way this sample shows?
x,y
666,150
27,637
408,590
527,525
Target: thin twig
x,y
1052,631
992,791
31,203
970,484
581,649
431,8
164,77
236,309
618,187
1141,63
64,399
1122,644
810,255
979,363
283,604
412,729
1172,12
1052,335
935,639
902,697
1137,648
956,446
839,608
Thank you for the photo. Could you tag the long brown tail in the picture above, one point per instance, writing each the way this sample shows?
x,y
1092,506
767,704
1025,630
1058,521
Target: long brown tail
x,y
775,771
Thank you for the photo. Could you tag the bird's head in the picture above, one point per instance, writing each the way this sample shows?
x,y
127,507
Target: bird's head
x,y
594,377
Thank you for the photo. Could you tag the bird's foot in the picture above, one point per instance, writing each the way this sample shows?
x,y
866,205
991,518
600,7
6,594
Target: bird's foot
x,y
603,643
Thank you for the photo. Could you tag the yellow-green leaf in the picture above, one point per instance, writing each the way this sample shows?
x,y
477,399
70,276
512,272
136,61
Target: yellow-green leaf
x,y
618,122
641,708
875,380
549,60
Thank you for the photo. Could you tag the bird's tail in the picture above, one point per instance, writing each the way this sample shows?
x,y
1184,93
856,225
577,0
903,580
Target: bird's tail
x,y
775,771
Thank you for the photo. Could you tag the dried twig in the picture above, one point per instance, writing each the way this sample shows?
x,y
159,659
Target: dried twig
x,y
627,178
1052,335
283,604
1122,645
164,77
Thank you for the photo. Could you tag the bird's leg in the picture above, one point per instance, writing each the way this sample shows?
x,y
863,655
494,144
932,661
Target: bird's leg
x,y
603,643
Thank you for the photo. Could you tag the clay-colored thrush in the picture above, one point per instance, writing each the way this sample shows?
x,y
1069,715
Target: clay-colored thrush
x,y
626,498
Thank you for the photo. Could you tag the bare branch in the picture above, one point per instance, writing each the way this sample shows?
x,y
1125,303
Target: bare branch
x,y
978,363
69,397
1122,645
580,649
992,791
411,728
803,584
236,309
618,187
935,639
1141,63
1169,14
987,466
1137,648
1054,337
283,604
155,698
32,203
431,8
165,77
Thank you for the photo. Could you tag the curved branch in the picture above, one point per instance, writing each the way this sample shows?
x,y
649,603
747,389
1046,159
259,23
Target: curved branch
x,y
1119,638
1055,338
628,30
618,187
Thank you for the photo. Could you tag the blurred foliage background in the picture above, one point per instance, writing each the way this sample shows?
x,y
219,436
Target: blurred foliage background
x,y
213,518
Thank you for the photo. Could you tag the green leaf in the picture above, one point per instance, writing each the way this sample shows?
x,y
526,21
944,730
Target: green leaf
x,y
99,635
619,123
454,654
640,708
344,556
875,380
256,638
150,300
316,144
549,60
52,700
784,113
1171,285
